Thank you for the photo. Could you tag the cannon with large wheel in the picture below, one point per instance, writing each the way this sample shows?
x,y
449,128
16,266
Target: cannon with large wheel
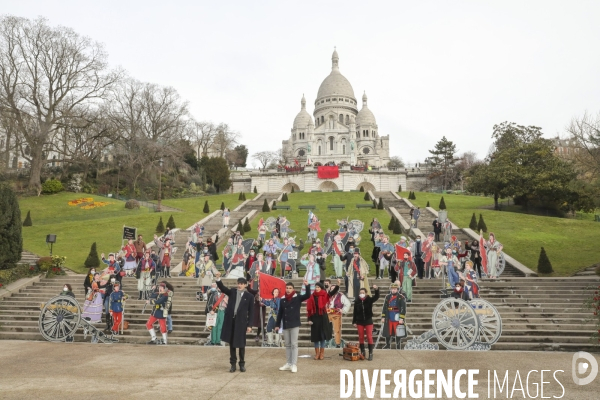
x,y
461,325
60,319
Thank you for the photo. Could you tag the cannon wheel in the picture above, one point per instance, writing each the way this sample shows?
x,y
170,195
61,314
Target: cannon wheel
x,y
59,318
455,324
490,322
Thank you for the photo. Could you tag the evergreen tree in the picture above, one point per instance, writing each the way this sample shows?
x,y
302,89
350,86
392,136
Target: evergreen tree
x,y
380,204
399,188
410,195
27,221
366,196
160,228
92,259
247,227
266,206
473,223
284,197
171,222
206,210
374,203
11,241
427,204
391,224
481,224
442,205
414,197
397,229
274,203
222,206
243,196
362,188
292,189
255,191
240,196
544,265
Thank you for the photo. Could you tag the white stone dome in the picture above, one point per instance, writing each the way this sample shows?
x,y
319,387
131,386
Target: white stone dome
x,y
303,119
365,116
335,84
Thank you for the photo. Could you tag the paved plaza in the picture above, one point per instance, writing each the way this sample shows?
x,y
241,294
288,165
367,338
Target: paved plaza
x,y
44,370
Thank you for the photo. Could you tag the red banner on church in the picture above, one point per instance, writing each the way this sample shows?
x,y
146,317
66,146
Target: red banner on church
x,y
328,172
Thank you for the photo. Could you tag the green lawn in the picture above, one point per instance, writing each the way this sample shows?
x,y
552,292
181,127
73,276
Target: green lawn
x,y
299,218
571,244
76,229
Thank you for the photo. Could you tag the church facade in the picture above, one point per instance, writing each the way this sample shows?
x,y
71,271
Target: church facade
x,y
337,133
340,133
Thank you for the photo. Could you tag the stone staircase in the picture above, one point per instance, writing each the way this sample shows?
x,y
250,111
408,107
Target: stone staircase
x,y
258,203
538,313
425,224
28,258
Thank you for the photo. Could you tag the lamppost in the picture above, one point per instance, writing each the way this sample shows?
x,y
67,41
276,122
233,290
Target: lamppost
x,y
118,172
160,164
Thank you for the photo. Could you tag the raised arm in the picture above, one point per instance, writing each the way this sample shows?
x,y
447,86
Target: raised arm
x,y
223,288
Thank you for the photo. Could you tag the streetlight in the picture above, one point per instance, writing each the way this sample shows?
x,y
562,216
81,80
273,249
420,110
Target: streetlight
x,y
160,164
118,172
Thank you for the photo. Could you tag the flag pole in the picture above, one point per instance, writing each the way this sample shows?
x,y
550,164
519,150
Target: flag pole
x,y
262,324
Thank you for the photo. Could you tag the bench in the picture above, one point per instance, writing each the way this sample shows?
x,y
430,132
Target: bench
x,y
278,207
336,206
307,207
337,190
365,206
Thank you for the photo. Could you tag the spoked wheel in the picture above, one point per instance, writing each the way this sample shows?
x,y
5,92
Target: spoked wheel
x,y
455,324
59,318
490,322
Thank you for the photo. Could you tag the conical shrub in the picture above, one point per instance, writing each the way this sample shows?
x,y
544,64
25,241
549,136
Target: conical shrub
x,y
427,204
171,223
255,191
160,228
92,259
247,227
473,223
391,224
265,207
481,224
399,188
27,221
442,205
397,229
544,265
222,206
380,204
366,196
206,210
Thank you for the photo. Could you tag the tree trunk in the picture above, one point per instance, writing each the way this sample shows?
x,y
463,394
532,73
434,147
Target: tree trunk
x,y
496,206
37,163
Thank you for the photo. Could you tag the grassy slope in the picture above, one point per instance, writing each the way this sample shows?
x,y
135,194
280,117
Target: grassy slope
x,y
76,229
571,244
298,218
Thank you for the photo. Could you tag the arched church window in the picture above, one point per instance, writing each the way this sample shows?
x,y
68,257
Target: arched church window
x,y
344,149
319,150
331,143
347,120
341,118
322,119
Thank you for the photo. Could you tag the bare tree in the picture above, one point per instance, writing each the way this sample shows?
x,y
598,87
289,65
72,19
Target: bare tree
x,y
585,152
150,122
224,139
201,134
45,74
264,157
395,162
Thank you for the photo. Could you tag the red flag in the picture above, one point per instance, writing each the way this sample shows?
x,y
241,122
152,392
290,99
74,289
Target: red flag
x,y
400,251
296,161
483,253
268,283
260,222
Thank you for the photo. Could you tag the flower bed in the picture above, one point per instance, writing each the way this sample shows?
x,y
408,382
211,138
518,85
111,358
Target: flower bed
x,y
88,203
10,275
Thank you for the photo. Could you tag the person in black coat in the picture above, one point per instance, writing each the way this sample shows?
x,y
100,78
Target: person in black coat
x,y
212,249
437,229
362,318
238,320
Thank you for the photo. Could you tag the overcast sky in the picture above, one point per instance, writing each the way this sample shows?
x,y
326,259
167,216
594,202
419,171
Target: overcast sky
x,y
429,69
